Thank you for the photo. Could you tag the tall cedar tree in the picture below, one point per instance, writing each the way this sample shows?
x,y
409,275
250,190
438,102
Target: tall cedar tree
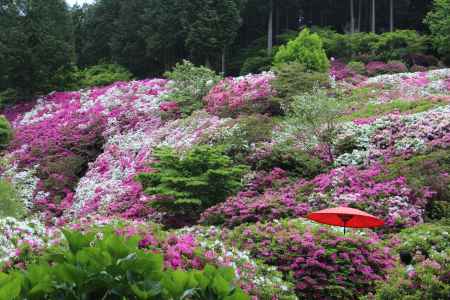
x,y
210,26
35,41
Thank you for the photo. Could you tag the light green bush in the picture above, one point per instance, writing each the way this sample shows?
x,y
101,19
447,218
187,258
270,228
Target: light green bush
x,y
189,84
306,49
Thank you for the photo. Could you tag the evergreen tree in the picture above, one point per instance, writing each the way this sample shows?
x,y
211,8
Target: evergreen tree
x,y
210,26
35,41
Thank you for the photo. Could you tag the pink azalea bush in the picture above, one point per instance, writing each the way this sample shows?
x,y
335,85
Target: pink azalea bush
x,y
324,264
249,93
391,199
65,131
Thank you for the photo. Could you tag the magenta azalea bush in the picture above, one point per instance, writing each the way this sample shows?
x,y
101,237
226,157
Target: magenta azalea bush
x,y
324,264
391,199
249,93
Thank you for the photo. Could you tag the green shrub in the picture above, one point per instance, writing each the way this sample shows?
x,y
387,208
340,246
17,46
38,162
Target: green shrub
x,y
5,132
10,205
357,66
306,49
187,184
189,85
296,162
315,116
8,96
431,240
102,75
429,244
428,170
111,267
335,44
398,44
292,79
439,25
248,131
256,64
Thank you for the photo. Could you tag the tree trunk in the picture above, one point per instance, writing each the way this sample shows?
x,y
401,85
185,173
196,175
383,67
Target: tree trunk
x,y
223,63
270,30
391,15
352,16
359,15
373,16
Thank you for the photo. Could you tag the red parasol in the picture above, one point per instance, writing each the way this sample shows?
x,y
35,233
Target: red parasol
x,y
345,217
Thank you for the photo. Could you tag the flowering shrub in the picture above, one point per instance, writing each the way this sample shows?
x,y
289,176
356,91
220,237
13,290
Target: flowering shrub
x,y
429,244
411,86
248,93
378,68
395,135
109,187
20,237
324,264
392,200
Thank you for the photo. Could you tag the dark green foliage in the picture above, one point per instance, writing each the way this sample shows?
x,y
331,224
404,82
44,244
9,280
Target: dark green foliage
x,y
306,49
110,267
189,85
439,24
296,162
398,44
10,205
35,41
128,44
257,64
99,75
210,26
187,184
293,79
6,132
369,46
102,75
428,170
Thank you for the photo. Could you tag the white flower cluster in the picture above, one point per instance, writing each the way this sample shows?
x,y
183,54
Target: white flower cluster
x,y
412,133
14,234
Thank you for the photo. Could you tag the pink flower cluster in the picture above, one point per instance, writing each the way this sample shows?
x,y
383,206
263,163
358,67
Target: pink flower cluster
x,y
325,264
66,130
241,94
391,199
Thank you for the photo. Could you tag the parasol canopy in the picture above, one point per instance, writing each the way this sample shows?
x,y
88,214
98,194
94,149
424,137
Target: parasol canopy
x,y
346,217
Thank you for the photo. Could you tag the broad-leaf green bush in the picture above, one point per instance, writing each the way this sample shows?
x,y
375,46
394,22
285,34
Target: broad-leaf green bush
x,y
189,84
186,184
293,79
306,49
112,267
10,205
438,22
5,132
